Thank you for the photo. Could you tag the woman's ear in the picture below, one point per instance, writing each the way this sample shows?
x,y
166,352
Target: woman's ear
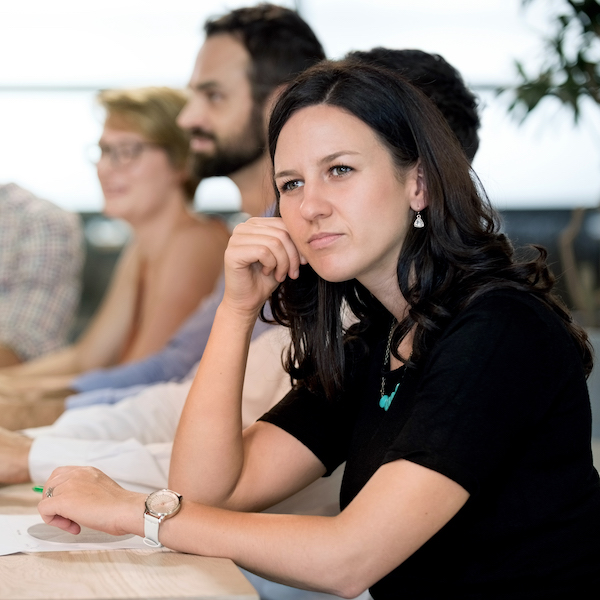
x,y
418,199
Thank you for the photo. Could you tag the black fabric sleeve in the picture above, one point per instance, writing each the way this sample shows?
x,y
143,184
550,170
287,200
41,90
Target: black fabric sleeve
x,y
321,425
488,383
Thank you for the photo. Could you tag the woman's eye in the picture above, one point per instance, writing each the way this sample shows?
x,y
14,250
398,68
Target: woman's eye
x,y
340,170
293,184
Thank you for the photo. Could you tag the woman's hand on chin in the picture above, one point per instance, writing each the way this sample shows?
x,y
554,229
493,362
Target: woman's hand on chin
x,y
260,255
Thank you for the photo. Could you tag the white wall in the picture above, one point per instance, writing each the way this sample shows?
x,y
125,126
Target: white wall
x,y
55,54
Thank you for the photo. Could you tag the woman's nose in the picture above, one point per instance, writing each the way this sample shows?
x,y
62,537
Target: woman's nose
x,y
314,204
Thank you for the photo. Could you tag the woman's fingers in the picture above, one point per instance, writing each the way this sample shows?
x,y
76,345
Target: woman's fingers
x,y
264,252
294,258
76,496
260,255
49,506
282,258
62,523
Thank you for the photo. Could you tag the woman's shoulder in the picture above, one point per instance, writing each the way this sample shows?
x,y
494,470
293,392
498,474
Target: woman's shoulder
x,y
209,222
200,237
511,300
503,308
202,229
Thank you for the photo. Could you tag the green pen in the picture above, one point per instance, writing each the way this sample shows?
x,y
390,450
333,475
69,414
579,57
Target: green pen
x,y
38,488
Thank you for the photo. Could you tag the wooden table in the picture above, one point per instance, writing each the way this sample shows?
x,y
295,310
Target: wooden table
x,y
112,574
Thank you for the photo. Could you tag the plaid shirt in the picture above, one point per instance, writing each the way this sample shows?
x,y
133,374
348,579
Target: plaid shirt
x,y
41,257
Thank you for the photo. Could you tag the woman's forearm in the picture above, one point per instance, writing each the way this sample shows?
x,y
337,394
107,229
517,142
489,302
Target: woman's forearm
x,y
61,362
401,507
310,552
208,454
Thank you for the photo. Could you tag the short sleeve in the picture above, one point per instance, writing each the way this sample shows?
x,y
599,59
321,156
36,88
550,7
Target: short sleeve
x,y
489,382
323,426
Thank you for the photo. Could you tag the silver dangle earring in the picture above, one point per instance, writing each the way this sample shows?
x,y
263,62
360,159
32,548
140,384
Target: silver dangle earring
x,y
419,223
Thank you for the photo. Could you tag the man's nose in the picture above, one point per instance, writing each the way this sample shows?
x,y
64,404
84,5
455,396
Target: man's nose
x,y
192,115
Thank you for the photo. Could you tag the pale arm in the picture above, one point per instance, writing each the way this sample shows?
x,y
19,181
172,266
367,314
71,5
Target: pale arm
x,y
402,506
208,453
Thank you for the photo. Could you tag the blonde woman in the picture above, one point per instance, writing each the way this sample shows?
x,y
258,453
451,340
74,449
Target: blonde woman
x,y
173,260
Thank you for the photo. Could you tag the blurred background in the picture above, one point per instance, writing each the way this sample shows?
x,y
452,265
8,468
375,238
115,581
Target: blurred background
x,y
57,54
542,172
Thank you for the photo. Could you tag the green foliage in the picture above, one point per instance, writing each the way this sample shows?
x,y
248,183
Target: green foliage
x,y
569,71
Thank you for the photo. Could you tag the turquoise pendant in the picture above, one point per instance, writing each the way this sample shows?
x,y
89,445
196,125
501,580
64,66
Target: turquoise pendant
x,y
386,401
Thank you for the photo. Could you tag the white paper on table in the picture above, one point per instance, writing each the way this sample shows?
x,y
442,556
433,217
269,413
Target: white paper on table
x,y
29,533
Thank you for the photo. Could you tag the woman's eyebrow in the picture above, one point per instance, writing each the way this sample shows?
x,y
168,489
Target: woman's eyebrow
x,y
285,173
322,161
335,155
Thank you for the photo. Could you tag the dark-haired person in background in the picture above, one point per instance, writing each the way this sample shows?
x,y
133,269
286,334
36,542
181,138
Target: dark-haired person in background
x,y
439,81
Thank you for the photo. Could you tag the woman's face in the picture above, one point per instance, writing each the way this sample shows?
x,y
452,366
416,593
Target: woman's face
x,y
342,200
136,176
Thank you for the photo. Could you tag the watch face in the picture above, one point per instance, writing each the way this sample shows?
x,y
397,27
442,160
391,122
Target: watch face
x,y
163,502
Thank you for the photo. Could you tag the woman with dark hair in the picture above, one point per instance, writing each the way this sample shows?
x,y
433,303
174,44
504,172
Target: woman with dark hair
x,y
440,367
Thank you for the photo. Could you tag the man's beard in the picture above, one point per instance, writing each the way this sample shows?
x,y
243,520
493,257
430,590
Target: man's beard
x,y
233,154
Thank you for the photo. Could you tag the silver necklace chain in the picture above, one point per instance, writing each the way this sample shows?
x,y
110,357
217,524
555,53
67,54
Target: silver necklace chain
x,y
385,400
386,358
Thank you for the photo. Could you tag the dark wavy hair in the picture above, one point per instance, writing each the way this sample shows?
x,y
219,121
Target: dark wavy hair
x,y
459,255
439,81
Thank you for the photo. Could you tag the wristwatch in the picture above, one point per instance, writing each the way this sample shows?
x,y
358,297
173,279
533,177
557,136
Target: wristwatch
x,y
160,505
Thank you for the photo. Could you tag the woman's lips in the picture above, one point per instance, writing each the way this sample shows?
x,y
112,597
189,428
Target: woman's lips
x,y
323,240
114,192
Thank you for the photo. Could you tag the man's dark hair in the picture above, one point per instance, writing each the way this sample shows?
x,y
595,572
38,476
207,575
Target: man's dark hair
x,y
280,43
440,81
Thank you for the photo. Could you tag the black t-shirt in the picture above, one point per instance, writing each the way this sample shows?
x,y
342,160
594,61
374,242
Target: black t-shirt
x,y
500,405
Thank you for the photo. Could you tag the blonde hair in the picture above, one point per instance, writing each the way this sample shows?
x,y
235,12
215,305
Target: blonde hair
x,y
152,112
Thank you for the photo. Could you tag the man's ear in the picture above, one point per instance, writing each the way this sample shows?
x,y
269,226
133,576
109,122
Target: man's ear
x,y
419,198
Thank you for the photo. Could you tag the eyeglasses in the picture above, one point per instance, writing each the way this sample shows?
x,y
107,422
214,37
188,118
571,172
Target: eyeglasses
x,y
120,155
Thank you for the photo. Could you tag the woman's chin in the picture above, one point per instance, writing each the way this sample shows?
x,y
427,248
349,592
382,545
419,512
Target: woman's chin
x,y
114,209
332,275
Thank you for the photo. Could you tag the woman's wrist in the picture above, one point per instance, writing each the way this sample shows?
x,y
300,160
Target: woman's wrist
x,y
242,318
130,516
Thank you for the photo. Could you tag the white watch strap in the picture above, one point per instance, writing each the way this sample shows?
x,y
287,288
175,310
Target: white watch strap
x,y
151,524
